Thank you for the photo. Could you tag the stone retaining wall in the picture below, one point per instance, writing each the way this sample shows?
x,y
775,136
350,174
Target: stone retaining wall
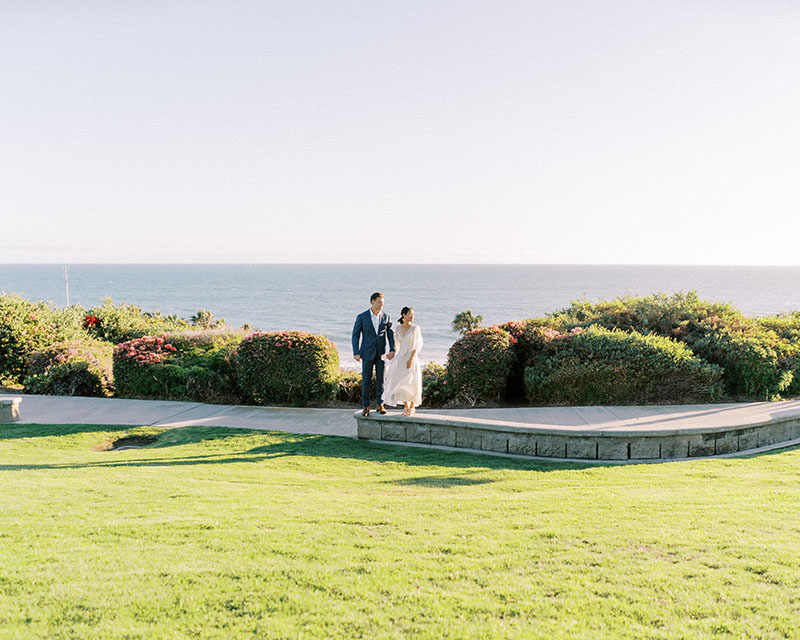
x,y
574,444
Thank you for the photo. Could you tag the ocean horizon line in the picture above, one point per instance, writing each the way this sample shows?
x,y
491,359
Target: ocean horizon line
x,y
401,264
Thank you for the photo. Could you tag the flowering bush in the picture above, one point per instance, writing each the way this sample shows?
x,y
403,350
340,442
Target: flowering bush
x,y
194,366
601,366
287,367
144,350
77,368
478,365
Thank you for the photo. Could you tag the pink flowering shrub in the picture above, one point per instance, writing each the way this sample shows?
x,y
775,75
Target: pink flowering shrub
x,y
478,365
145,350
287,367
192,366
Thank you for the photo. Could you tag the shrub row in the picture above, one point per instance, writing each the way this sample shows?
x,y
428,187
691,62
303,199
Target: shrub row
x,y
649,349
602,366
28,327
287,367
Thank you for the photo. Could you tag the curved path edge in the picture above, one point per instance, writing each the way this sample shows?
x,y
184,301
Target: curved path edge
x,y
580,434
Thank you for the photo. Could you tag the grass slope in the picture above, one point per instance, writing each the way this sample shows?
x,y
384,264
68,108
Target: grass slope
x,y
224,533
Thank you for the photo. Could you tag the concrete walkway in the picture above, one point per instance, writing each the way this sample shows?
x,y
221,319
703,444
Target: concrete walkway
x,y
340,422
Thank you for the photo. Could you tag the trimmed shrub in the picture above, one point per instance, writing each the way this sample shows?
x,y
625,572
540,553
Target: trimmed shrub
x,y
76,378
436,390
26,327
478,365
77,368
193,366
601,366
756,364
287,367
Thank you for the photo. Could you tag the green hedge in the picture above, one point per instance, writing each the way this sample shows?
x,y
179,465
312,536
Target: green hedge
x,y
601,366
478,365
287,367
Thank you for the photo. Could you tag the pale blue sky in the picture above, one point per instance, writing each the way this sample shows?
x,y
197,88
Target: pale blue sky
x,y
534,132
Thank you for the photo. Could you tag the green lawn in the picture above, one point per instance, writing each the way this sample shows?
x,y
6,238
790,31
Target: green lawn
x,y
227,533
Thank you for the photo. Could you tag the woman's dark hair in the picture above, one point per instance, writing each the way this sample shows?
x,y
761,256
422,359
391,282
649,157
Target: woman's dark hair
x,y
404,312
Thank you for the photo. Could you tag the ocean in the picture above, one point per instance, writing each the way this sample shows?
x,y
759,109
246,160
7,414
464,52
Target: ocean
x,y
326,298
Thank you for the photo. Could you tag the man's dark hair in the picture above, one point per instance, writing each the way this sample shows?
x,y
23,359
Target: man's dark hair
x,y
375,295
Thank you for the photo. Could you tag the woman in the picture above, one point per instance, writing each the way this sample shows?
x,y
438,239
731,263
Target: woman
x,y
404,375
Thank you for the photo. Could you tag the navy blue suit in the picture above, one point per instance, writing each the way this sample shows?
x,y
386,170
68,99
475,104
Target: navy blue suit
x,y
371,346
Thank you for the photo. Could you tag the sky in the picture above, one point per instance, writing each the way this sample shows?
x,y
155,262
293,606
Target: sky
x,y
563,131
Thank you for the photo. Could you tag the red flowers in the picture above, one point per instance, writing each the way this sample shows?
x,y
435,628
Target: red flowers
x,y
146,350
91,321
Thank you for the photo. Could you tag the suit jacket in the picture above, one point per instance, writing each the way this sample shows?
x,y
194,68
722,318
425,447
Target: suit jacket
x,y
372,345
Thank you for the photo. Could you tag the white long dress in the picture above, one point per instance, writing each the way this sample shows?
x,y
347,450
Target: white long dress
x,y
401,383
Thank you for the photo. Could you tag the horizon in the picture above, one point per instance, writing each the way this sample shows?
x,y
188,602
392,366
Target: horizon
x,y
403,264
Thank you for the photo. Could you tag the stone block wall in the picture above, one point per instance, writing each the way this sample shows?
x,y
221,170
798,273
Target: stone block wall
x,y
497,437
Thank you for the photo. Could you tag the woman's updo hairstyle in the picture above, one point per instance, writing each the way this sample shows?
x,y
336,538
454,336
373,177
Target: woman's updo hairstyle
x,y
404,312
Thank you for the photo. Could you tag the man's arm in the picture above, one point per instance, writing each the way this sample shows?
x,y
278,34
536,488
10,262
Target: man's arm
x,y
357,329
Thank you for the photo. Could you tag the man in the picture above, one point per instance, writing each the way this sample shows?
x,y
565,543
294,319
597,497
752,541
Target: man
x,y
372,329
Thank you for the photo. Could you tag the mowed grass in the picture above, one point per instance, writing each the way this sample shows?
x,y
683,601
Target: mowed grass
x,y
228,533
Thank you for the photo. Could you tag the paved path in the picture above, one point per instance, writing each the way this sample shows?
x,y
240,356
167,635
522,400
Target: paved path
x,y
340,422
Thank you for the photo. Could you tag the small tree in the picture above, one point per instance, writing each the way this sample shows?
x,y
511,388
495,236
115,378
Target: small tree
x,y
204,319
465,322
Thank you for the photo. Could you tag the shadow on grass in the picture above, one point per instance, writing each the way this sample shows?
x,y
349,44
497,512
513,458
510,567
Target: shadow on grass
x,y
17,430
440,482
282,445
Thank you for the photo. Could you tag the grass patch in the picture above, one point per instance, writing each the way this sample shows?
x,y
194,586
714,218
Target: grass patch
x,y
229,533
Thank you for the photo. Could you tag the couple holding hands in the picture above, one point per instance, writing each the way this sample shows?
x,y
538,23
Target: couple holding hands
x,y
403,374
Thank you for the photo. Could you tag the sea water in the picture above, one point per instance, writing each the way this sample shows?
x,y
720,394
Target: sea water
x,y
326,298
